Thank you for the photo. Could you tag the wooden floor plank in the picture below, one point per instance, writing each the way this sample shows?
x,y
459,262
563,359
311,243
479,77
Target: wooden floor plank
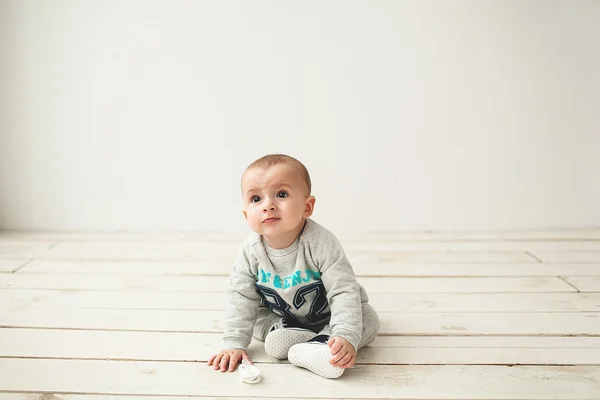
x,y
387,268
172,268
562,235
590,284
391,323
159,346
471,246
448,242
23,249
9,265
541,342
556,234
61,396
219,283
441,257
237,236
568,257
383,302
186,251
409,382
155,237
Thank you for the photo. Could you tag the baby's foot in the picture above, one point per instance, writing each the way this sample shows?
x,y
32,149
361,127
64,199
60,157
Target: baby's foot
x,y
282,337
314,356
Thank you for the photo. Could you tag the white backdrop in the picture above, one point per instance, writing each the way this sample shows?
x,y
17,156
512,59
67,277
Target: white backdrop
x,y
410,115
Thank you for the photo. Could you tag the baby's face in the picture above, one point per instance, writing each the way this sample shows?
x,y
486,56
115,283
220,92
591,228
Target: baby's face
x,y
276,202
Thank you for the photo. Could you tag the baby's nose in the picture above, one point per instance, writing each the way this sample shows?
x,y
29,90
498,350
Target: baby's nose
x,y
269,206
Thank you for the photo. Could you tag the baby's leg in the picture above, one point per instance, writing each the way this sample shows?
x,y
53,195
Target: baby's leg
x,y
370,325
315,355
264,321
277,334
369,330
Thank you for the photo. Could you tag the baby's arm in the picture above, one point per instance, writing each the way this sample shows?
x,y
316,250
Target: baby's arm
x,y
240,315
343,291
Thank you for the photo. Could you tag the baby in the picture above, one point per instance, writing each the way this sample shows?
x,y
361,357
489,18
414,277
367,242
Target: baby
x,y
291,285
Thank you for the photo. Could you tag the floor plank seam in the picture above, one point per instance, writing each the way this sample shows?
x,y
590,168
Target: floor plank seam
x,y
286,363
530,254
569,283
20,267
431,276
200,396
53,245
552,335
379,312
154,290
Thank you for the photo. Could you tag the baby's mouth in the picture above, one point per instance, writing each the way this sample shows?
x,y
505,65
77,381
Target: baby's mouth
x,y
268,220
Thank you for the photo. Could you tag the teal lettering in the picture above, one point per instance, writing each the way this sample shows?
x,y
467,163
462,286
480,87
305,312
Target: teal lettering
x,y
277,282
307,276
286,282
263,276
296,279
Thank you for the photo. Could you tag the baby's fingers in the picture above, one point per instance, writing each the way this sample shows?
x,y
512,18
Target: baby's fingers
x,y
348,361
233,361
224,362
334,345
211,359
246,357
335,360
348,364
216,359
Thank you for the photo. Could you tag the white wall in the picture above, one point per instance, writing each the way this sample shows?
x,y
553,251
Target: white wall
x,y
410,115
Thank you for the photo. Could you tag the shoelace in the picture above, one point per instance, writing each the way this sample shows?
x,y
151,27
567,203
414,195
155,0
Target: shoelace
x,y
282,323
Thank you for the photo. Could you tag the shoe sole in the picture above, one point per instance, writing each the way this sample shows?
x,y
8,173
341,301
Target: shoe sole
x,y
314,357
279,341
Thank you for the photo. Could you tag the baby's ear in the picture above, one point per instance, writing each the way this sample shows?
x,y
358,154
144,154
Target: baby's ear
x,y
309,207
245,215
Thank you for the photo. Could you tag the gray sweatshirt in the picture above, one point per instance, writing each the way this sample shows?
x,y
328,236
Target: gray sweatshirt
x,y
310,283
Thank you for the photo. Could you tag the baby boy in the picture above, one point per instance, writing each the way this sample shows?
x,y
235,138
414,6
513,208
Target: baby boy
x,y
291,285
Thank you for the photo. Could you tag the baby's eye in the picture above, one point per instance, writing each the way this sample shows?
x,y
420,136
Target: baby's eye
x,y
283,194
255,199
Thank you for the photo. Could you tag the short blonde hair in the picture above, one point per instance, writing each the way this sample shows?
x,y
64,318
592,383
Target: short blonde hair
x,y
271,160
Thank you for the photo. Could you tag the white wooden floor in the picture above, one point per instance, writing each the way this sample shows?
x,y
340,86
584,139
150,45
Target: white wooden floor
x,y
486,316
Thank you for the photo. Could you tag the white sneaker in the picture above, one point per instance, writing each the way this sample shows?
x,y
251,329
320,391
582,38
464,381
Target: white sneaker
x,y
281,338
315,357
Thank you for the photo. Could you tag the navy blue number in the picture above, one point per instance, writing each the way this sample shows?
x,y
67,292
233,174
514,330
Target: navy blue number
x,y
275,303
319,309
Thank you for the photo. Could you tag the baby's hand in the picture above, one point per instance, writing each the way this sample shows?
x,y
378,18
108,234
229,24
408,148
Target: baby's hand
x,y
343,352
228,359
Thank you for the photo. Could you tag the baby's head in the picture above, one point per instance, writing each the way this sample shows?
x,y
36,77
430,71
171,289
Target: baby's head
x,y
276,196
